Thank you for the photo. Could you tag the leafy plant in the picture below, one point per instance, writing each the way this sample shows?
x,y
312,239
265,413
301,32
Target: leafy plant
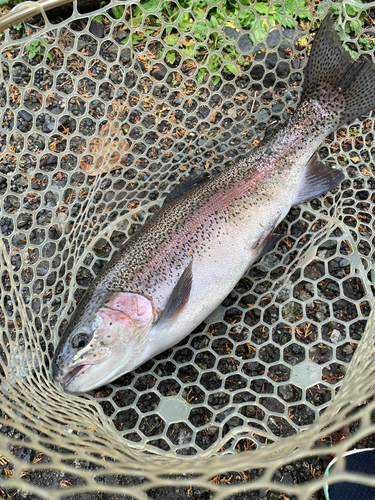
x,y
201,74
169,11
201,31
36,49
214,63
215,17
117,11
171,57
98,19
199,8
230,69
351,27
231,8
149,4
195,28
366,42
246,19
186,22
187,46
230,53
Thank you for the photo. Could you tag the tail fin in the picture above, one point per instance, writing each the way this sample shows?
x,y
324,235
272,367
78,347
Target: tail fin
x,y
330,72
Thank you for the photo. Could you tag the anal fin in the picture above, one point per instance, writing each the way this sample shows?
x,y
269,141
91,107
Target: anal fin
x,y
179,297
317,179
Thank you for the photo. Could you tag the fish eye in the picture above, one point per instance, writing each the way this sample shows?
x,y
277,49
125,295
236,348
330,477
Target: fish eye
x,y
80,340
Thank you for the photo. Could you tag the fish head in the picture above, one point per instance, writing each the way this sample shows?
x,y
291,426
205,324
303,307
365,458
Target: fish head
x,y
104,344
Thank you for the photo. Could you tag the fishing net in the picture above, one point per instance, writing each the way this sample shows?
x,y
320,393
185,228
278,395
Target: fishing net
x,y
101,115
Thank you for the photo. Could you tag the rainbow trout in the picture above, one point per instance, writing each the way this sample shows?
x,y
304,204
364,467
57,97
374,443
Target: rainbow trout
x,y
170,275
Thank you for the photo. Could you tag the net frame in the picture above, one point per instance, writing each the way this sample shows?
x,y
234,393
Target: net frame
x,y
27,378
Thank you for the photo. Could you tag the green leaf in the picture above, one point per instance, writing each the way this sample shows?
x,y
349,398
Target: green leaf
x,y
201,31
302,4
186,22
214,63
215,17
353,53
213,22
288,23
366,43
171,57
290,7
261,29
229,53
169,11
230,68
352,26
187,47
149,5
352,10
137,17
172,39
117,11
276,14
243,63
231,8
185,4
305,16
261,8
246,19
199,8
201,74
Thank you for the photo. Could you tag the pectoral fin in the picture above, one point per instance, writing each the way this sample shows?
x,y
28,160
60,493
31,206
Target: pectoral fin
x,y
316,179
179,297
264,245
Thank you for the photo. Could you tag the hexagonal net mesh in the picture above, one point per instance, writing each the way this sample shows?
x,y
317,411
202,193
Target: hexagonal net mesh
x,y
100,115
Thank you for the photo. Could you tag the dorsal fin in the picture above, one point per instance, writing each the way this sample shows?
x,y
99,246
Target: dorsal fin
x,y
196,177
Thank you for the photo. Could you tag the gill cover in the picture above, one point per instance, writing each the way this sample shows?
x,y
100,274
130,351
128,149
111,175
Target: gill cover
x,y
126,314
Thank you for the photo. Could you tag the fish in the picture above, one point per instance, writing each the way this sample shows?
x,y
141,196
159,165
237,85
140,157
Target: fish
x,y
182,263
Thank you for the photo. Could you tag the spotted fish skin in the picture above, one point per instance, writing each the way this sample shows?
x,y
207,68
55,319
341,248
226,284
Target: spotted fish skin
x,y
187,258
238,200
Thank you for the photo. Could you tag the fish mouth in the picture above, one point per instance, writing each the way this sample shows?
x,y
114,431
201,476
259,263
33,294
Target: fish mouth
x,y
72,374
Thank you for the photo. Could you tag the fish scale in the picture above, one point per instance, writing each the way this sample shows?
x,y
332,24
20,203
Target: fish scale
x,y
187,258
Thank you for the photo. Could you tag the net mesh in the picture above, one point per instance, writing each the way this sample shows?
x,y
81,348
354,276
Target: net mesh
x,y
101,115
